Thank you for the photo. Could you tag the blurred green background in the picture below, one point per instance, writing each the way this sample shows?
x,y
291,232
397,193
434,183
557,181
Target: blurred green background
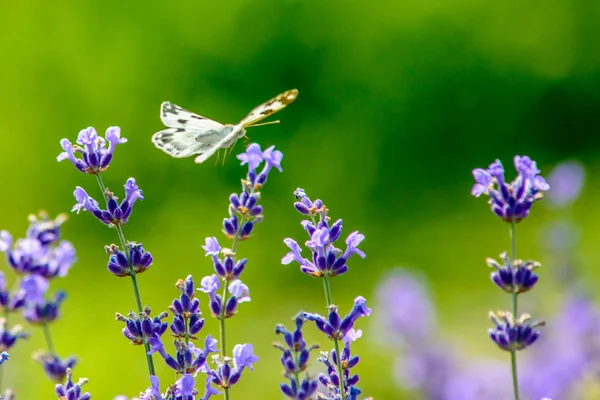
x,y
398,101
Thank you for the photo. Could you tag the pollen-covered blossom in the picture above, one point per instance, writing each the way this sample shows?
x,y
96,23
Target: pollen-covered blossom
x,y
95,156
71,390
116,213
513,276
510,201
141,328
118,261
294,358
331,379
513,334
326,260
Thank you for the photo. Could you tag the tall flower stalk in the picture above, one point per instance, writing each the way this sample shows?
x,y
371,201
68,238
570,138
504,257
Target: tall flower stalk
x,y
224,288
329,262
512,202
130,259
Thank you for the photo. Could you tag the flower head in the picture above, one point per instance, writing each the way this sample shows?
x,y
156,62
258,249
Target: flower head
x,y
513,276
513,334
44,312
71,390
510,201
116,213
54,367
119,263
95,156
143,327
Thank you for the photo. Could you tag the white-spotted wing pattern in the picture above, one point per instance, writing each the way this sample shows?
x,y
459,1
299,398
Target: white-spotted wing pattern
x,y
190,134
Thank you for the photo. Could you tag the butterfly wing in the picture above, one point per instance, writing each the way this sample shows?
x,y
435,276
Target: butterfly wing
x,y
269,108
230,135
187,133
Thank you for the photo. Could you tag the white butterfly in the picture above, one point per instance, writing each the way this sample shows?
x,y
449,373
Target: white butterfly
x,y
190,134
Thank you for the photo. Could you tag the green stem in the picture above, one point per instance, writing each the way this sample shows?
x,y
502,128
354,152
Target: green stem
x,y
48,337
6,314
336,343
136,290
513,355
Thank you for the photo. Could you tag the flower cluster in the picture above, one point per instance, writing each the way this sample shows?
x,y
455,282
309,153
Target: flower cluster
x,y
36,259
295,361
71,390
327,260
510,201
95,156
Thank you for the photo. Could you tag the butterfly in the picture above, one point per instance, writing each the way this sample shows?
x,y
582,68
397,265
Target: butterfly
x,y
188,134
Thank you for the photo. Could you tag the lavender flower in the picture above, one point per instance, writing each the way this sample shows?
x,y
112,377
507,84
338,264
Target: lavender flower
x,y
227,269
514,276
8,338
566,180
8,302
187,321
295,361
44,312
510,201
189,359
331,379
71,390
513,334
54,367
119,263
327,260
139,329
334,326
226,375
40,252
116,213
95,156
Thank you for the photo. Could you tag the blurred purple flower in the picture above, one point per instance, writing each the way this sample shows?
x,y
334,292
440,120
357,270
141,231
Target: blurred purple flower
x,y
566,179
484,379
406,313
54,367
71,390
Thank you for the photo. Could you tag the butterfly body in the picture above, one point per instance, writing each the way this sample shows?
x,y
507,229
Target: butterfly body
x,y
190,134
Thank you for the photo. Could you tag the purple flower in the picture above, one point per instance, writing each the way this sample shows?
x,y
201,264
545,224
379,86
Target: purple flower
x,y
212,247
54,367
331,379
210,285
71,390
406,314
3,357
566,180
188,359
153,391
34,288
243,356
209,390
334,326
514,276
44,312
327,260
116,213
253,157
187,321
140,328
8,338
184,387
294,358
8,302
479,380
44,229
119,263
513,334
510,201
95,156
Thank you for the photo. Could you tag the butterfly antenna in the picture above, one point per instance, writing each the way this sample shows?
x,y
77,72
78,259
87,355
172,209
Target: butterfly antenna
x,y
264,123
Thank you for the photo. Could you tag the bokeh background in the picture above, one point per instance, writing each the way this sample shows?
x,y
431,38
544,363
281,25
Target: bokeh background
x,y
398,101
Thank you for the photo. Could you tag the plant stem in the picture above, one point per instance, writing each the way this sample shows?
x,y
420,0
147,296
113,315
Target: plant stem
x,y
336,343
513,355
136,290
48,337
